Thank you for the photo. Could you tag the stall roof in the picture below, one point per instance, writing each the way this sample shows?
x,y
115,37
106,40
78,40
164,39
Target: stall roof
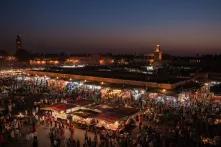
x,y
116,114
83,102
59,107
85,113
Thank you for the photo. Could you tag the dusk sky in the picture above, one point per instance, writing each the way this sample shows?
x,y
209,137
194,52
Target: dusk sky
x,y
119,26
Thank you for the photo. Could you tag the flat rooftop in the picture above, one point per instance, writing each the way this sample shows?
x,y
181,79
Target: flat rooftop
x,y
119,73
216,89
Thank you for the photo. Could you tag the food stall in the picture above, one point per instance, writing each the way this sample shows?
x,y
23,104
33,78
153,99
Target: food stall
x,y
61,110
115,118
84,116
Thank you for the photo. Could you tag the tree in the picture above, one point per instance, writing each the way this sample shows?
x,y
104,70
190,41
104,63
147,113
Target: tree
x,y
22,54
3,53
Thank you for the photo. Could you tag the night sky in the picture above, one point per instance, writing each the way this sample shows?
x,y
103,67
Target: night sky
x,y
183,27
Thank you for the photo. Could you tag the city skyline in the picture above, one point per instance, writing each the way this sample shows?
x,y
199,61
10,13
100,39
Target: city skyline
x,y
182,28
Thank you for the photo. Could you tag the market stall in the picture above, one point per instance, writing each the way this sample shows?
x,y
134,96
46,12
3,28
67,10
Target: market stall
x,y
61,110
84,116
115,118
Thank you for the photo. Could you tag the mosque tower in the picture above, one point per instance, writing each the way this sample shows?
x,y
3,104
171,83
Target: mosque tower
x,y
19,43
157,54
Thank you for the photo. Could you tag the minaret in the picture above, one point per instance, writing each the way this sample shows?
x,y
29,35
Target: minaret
x,y
18,42
157,54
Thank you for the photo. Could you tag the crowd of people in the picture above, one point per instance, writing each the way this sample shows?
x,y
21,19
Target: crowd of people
x,y
159,124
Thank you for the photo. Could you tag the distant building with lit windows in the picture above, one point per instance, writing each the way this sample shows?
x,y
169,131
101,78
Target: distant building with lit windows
x,y
44,62
89,60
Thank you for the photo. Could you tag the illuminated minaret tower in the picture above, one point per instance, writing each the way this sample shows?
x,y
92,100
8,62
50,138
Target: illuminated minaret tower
x,y
157,54
18,42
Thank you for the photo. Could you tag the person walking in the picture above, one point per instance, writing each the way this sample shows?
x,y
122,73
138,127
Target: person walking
x,y
35,142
